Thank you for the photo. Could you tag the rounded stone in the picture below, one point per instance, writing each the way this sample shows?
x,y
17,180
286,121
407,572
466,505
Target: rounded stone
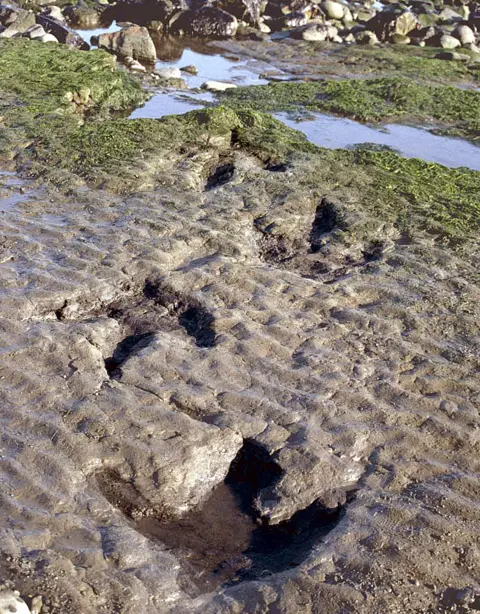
x,y
168,72
464,34
12,603
47,38
449,42
217,86
334,10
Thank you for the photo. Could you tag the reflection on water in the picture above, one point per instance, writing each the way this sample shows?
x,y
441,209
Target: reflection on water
x,y
323,130
87,34
338,132
180,52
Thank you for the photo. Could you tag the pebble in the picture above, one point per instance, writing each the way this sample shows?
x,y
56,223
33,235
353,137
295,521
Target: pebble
x,y
12,603
168,72
47,38
217,86
190,69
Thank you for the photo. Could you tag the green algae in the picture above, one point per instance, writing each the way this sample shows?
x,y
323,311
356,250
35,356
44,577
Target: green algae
x,y
408,61
367,100
45,76
59,106
443,201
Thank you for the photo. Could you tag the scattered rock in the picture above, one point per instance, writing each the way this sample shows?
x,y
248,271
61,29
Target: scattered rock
x,y
449,42
61,32
315,31
12,603
333,10
47,38
85,16
473,47
190,69
452,55
386,24
55,12
464,34
206,22
168,72
401,39
23,20
134,64
8,14
367,37
217,86
37,604
134,42
35,31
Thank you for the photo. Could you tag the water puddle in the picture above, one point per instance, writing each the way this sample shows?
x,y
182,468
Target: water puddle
x,y
164,104
212,66
12,192
339,132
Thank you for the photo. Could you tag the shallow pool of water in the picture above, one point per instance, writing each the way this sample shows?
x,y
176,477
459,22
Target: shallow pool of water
x,y
167,104
339,132
216,67
87,34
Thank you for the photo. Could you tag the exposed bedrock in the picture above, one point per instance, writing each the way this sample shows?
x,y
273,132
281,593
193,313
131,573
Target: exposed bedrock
x,y
242,391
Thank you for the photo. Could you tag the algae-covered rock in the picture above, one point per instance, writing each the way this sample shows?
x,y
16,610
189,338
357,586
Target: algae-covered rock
x,y
367,100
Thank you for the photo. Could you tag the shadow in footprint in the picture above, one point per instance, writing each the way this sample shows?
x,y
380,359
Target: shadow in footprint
x,y
224,541
126,348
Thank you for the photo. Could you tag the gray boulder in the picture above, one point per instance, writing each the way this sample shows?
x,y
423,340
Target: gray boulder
x,y
23,21
134,42
333,10
316,32
85,16
61,32
464,34
8,14
449,42
388,23
208,22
